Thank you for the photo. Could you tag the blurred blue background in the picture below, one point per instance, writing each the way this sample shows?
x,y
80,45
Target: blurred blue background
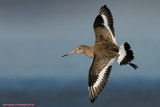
x,y
34,34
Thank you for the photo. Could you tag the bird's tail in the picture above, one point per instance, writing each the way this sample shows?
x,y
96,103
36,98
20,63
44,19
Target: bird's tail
x,y
126,55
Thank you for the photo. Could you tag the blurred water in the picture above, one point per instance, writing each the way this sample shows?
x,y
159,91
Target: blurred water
x,y
52,93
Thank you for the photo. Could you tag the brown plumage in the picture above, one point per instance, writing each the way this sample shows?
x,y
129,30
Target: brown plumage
x,y
104,52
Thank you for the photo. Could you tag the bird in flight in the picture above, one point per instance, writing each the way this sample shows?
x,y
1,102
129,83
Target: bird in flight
x,y
104,52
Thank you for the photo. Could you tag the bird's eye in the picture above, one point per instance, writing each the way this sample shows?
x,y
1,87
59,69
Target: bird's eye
x,y
79,48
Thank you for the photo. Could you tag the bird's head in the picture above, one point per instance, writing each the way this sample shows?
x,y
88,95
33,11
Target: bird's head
x,y
79,49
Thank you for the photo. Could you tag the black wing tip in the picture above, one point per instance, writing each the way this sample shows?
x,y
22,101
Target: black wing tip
x,y
104,6
99,21
92,100
104,10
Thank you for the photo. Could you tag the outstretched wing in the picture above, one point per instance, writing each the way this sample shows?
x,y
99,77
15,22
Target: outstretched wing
x,y
103,25
98,76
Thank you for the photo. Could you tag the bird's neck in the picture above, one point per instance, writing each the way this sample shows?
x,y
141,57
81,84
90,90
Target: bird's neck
x,y
89,51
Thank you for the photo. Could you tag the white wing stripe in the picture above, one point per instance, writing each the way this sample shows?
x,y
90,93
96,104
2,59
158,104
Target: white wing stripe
x,y
101,74
108,28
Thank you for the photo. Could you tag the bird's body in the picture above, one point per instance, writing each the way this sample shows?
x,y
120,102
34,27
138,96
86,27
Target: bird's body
x,y
104,52
101,48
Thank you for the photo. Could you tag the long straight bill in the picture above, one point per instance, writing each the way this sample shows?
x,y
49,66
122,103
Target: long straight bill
x,y
68,54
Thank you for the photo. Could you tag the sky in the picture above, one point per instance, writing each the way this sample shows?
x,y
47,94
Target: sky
x,y
34,34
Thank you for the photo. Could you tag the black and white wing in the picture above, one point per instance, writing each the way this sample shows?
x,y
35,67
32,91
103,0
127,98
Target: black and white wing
x,y
103,25
98,76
